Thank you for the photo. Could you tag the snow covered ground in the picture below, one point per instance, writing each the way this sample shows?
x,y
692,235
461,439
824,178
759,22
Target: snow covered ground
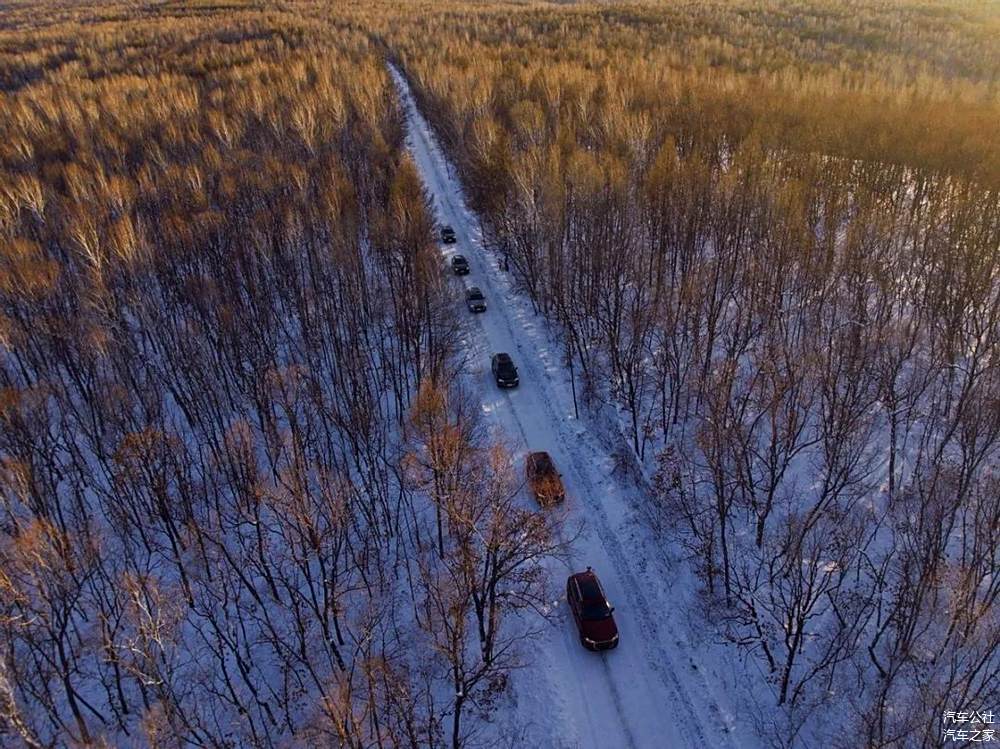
x,y
659,688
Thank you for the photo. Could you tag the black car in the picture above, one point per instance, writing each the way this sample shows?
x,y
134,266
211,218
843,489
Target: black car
x,y
475,300
448,235
504,371
460,265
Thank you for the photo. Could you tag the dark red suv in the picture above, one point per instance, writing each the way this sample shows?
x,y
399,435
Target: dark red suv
x,y
592,611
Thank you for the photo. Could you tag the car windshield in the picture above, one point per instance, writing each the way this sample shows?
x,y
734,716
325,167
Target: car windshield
x,y
459,260
595,610
475,294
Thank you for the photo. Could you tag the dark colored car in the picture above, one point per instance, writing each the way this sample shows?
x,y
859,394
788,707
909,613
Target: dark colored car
x,y
504,371
448,235
543,478
460,265
592,611
475,300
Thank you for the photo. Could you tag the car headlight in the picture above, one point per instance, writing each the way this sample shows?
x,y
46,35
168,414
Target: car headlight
x,y
589,641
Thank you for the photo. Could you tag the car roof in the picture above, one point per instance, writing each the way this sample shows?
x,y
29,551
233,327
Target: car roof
x,y
473,290
541,458
590,588
458,258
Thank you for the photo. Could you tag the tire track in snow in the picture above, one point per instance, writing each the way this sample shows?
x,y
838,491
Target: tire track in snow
x,y
658,659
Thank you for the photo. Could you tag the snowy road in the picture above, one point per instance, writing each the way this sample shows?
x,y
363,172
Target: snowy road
x,y
647,692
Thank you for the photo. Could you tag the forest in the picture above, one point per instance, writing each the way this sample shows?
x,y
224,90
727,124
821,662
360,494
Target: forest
x,y
247,497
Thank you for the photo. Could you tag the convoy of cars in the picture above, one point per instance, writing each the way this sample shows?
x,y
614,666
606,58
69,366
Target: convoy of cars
x,y
587,601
